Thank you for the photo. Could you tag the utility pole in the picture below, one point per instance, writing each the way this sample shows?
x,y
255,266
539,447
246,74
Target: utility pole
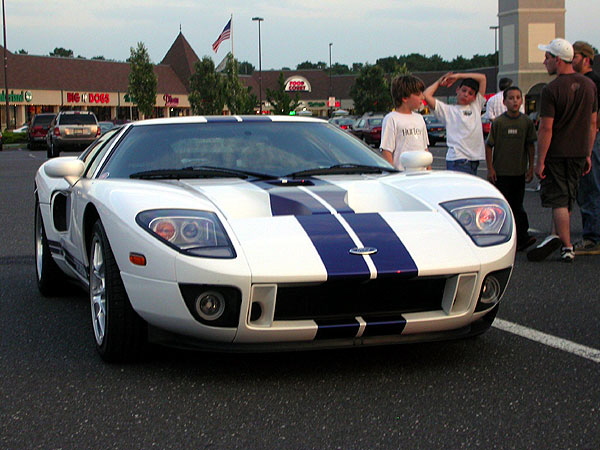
x,y
5,67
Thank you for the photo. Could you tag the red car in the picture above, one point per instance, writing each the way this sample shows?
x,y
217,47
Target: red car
x,y
36,134
368,128
486,125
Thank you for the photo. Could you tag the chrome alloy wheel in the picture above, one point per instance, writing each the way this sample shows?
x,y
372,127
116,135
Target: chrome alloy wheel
x,y
39,244
98,291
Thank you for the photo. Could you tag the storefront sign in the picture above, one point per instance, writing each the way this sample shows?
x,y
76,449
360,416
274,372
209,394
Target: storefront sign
x,y
24,96
170,101
91,97
297,84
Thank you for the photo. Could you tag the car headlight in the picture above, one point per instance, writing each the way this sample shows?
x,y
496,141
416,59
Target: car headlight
x,y
487,221
195,233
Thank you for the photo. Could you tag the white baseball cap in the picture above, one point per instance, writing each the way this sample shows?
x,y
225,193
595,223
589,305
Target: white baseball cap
x,y
560,48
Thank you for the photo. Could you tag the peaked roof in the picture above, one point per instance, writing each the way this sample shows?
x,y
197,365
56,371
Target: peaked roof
x,y
56,73
181,57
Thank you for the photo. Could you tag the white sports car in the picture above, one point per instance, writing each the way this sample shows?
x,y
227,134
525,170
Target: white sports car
x,y
264,233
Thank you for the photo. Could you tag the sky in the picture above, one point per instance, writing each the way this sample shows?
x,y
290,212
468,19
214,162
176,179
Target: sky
x,y
292,32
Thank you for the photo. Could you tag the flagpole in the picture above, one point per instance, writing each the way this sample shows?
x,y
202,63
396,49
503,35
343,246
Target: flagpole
x,y
231,30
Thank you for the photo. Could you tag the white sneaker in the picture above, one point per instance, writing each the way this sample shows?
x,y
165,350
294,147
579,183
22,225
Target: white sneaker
x,y
567,254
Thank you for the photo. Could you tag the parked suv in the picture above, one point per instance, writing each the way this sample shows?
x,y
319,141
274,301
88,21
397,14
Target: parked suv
x,y
71,129
38,128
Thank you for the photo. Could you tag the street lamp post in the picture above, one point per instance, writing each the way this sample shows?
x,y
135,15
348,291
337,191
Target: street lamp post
x,y
495,28
5,66
330,86
259,20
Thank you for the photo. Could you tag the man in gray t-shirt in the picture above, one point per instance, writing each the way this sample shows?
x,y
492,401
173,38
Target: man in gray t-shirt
x,y
567,129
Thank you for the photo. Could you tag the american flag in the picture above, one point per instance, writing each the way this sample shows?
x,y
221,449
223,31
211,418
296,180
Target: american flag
x,y
225,34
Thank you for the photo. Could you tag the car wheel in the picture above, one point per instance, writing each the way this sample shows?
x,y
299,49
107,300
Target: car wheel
x,y
49,277
120,334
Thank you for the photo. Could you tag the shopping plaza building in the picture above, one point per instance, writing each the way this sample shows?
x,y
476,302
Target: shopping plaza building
x,y
49,84
39,84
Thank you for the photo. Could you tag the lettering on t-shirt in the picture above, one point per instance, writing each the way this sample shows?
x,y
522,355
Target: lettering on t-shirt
x,y
412,132
512,131
467,112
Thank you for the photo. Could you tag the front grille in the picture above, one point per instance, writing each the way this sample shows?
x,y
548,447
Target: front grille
x,y
348,299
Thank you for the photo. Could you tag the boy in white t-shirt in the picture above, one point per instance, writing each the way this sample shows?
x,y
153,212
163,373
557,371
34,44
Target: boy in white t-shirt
x,y
464,134
403,129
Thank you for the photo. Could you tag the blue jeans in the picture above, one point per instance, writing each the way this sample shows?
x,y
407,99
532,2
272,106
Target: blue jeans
x,y
463,165
588,197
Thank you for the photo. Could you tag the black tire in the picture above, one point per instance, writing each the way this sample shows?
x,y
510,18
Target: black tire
x,y
50,279
119,333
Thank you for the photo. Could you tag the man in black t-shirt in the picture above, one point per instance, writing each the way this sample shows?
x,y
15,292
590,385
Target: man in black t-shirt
x,y
568,114
588,196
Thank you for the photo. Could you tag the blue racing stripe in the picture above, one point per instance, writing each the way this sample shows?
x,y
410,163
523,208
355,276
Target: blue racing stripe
x,y
384,326
332,194
331,329
220,119
391,258
291,201
287,199
333,244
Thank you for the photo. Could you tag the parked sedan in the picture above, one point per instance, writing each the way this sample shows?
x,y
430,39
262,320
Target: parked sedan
x,y
267,233
368,128
436,130
345,122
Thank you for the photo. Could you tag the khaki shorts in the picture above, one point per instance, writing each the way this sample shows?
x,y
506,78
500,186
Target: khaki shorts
x,y
559,188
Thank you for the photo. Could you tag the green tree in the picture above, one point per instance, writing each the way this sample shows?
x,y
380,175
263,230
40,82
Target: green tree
x,y
370,91
99,58
62,52
142,80
22,52
281,102
246,68
339,69
309,65
238,97
206,88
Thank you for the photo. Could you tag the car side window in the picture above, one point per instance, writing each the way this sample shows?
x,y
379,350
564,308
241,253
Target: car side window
x,y
93,156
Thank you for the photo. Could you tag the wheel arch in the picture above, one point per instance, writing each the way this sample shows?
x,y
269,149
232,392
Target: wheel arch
x,y
90,217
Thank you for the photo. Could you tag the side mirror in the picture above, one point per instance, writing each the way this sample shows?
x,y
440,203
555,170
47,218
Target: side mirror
x,y
416,161
68,167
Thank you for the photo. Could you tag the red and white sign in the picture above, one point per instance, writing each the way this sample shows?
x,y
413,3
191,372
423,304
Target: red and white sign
x,y
87,97
297,84
170,101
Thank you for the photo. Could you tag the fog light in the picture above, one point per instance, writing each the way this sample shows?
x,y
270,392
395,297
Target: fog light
x,y
210,305
491,291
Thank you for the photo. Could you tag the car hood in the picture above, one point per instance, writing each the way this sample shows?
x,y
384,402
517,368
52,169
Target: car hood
x,y
329,225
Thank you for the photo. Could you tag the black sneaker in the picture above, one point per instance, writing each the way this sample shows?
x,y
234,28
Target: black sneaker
x,y
545,248
567,254
526,243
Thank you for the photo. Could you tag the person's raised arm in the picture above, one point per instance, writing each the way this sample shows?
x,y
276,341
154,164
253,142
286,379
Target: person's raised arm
x,y
451,78
430,91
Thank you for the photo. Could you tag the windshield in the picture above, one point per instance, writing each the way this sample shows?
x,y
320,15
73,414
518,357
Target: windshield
x,y
77,119
255,147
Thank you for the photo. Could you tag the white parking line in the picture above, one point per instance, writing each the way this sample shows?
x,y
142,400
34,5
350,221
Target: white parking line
x,y
562,344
